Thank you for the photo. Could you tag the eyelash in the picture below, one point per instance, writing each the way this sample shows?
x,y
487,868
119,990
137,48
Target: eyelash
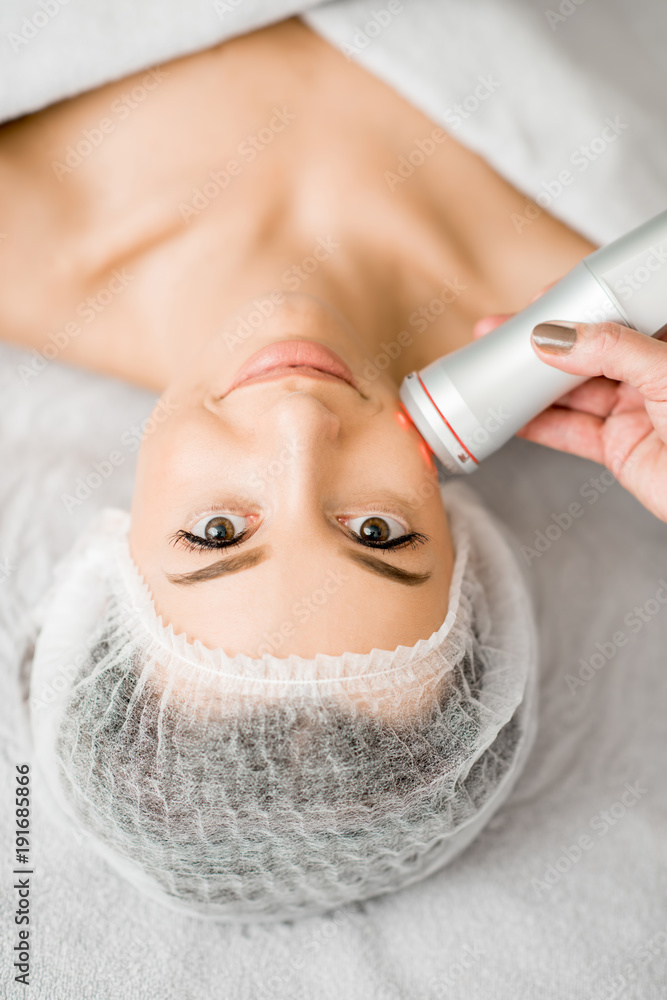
x,y
193,542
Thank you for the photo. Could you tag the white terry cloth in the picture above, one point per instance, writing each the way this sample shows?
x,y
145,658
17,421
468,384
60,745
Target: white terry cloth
x,y
566,99
564,894
52,49
540,93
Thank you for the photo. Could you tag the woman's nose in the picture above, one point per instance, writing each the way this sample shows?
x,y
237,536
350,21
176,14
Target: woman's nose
x,y
301,417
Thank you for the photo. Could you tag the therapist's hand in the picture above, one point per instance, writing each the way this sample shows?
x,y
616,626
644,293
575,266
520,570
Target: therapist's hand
x,y
619,417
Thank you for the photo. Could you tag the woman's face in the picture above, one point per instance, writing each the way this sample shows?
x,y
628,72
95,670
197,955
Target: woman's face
x,y
309,476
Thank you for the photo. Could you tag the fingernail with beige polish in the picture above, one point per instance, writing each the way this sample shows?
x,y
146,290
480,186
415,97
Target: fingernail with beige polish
x,y
555,338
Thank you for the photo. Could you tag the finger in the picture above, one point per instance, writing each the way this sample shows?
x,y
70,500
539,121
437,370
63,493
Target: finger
x,y
567,430
608,349
602,397
598,396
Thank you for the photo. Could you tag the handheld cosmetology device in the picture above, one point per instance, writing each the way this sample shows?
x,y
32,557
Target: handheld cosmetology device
x,y
469,403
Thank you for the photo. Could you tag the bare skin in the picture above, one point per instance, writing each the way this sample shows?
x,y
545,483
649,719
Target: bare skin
x,y
354,260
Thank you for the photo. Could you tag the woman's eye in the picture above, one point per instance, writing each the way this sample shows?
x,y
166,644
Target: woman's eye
x,y
215,531
220,529
376,528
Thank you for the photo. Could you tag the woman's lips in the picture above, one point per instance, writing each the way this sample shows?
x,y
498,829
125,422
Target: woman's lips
x,y
293,357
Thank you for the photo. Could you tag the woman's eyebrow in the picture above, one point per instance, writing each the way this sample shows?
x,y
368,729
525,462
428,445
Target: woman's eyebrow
x,y
382,568
222,567
253,558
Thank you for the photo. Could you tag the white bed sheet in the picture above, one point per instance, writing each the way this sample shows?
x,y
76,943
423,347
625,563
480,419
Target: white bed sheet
x,y
490,926
519,914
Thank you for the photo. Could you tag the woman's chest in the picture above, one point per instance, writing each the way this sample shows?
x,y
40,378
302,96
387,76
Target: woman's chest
x,y
148,210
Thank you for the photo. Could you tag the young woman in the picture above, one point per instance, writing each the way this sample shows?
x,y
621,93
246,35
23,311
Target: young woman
x,y
305,678
167,227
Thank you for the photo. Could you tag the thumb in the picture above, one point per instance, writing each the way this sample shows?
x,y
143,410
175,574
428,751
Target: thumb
x,y
608,349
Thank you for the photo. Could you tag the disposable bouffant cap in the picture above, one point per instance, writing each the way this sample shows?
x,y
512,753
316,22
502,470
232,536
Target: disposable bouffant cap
x,y
250,789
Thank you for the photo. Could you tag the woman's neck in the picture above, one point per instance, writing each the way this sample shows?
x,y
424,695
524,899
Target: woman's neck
x,y
316,178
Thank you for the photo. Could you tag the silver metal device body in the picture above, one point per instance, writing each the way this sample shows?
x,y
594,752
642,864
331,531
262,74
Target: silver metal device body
x,y
469,403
